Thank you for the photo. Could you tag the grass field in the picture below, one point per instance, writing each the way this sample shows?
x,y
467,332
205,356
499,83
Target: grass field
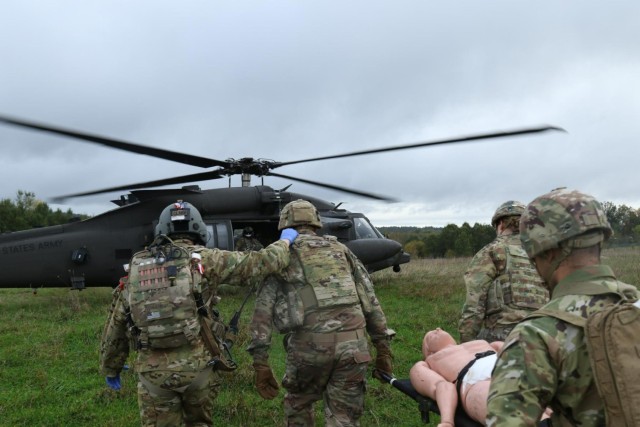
x,y
49,351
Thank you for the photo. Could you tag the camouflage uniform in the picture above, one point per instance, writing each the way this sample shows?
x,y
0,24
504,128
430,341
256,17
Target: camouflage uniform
x,y
502,288
248,244
174,384
327,349
545,362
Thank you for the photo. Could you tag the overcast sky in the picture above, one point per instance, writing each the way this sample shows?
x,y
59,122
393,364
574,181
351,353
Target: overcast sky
x,y
288,80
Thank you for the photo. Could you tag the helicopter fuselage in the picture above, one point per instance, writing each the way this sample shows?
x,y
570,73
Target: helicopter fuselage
x,y
92,252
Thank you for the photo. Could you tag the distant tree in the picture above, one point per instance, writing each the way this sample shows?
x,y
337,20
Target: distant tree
x,y
463,245
482,235
416,248
10,218
26,211
636,233
449,236
611,211
623,220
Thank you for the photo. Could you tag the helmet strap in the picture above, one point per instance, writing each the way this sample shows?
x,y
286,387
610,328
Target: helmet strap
x,y
564,253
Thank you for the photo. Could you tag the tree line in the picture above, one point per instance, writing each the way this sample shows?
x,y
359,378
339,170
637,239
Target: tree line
x,y
25,211
448,242
465,240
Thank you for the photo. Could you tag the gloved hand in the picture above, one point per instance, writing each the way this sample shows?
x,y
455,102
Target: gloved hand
x,y
114,382
265,382
384,359
289,234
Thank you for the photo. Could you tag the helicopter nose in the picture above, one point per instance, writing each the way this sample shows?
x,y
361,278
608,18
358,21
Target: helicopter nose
x,y
373,250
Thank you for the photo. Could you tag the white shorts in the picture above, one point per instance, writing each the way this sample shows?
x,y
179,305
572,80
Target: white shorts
x,y
479,371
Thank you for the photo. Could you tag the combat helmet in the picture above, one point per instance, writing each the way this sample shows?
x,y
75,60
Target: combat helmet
x,y
299,212
247,232
510,208
182,218
563,218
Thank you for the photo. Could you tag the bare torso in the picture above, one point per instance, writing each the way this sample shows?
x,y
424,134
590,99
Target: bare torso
x,y
449,361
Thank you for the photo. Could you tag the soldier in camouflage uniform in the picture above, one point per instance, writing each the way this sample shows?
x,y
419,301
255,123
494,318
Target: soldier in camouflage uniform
x,y
502,284
324,302
248,241
545,361
174,372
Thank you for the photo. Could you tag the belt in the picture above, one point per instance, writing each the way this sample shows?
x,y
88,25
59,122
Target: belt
x,y
329,337
200,378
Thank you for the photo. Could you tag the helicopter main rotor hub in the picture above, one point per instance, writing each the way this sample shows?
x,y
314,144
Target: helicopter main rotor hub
x,y
248,165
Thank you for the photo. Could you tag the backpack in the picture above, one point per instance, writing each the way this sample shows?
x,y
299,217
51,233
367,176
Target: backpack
x,y
613,343
161,298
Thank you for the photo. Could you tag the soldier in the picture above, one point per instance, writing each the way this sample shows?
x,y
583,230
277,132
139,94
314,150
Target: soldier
x,y
545,360
162,309
248,241
324,302
502,284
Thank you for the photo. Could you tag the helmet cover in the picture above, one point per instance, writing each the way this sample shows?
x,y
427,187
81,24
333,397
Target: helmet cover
x,y
299,212
562,215
509,208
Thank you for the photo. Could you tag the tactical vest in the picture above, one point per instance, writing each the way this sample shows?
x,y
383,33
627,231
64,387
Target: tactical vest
x,y
327,273
161,297
518,286
322,281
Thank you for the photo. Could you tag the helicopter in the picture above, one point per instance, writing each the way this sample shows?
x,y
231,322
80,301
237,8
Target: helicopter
x,y
92,252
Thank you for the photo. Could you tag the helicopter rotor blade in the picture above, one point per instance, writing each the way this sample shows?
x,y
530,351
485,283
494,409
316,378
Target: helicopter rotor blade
x,y
428,143
120,145
203,176
336,187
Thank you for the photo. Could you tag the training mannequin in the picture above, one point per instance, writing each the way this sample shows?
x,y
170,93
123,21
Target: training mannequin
x,y
444,360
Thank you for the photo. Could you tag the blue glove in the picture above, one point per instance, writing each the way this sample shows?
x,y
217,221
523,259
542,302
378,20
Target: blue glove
x,y
114,382
289,234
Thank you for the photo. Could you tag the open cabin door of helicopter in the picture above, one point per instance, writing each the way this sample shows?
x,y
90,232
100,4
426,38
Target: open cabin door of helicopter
x,y
220,234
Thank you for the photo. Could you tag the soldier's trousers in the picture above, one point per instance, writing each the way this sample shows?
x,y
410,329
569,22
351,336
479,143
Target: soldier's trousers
x,y
168,398
333,371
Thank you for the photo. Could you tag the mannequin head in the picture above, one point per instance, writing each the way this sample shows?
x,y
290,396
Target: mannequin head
x,y
435,341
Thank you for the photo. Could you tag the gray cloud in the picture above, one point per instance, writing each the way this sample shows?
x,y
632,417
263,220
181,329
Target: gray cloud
x,y
292,80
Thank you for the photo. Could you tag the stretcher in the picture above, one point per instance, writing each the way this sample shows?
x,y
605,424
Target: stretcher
x,y
425,404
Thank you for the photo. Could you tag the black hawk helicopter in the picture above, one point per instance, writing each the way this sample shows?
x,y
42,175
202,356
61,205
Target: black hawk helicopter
x,y
92,252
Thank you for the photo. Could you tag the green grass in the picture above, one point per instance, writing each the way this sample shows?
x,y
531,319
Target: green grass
x,y
49,351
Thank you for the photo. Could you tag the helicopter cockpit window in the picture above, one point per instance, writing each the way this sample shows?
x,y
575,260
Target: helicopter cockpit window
x,y
364,230
338,227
